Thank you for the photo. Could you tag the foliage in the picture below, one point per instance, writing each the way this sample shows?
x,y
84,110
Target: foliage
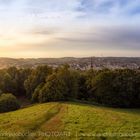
x,y
12,80
117,88
36,77
35,95
61,85
8,102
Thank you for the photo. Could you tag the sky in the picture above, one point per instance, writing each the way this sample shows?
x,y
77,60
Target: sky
x,y
69,28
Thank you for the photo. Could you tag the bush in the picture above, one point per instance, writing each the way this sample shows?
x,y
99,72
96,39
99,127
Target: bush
x,y
8,102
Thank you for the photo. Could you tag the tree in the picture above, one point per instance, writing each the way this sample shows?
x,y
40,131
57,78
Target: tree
x,y
20,78
70,78
36,77
8,84
54,89
8,102
82,87
117,88
61,85
35,95
12,80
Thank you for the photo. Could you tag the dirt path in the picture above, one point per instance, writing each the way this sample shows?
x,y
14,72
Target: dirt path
x,y
48,122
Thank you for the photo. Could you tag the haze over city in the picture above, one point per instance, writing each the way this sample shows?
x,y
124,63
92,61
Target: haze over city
x,y
59,28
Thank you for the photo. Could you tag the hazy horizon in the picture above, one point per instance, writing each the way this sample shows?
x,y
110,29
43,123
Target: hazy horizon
x,y
68,57
74,28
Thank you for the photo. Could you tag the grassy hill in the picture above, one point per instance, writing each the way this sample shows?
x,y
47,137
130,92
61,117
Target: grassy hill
x,y
70,121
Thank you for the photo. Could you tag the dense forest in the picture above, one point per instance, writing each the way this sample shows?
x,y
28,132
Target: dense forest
x,y
115,88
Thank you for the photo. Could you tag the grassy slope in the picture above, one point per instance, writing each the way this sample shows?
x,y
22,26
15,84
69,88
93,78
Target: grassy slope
x,y
78,119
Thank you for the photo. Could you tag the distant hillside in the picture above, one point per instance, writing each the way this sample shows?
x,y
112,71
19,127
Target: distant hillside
x,y
80,63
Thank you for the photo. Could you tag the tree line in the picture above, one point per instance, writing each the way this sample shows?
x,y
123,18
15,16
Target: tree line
x,y
117,88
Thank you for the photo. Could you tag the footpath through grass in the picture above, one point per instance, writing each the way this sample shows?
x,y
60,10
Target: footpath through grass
x,y
70,120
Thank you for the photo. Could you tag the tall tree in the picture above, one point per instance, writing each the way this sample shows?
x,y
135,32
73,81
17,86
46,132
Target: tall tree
x,y
36,77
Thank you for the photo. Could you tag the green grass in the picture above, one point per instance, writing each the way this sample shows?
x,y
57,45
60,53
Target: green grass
x,y
72,120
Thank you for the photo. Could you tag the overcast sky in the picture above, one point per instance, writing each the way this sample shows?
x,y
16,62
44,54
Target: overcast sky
x,y
58,28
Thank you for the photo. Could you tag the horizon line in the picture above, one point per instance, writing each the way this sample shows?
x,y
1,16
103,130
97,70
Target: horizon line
x,y
69,57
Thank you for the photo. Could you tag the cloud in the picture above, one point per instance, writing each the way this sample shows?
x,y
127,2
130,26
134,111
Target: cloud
x,y
7,2
109,7
43,31
71,24
119,37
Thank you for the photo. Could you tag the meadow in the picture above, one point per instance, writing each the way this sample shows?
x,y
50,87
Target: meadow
x,y
70,120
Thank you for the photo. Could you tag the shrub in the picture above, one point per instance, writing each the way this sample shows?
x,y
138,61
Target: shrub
x,y
8,102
